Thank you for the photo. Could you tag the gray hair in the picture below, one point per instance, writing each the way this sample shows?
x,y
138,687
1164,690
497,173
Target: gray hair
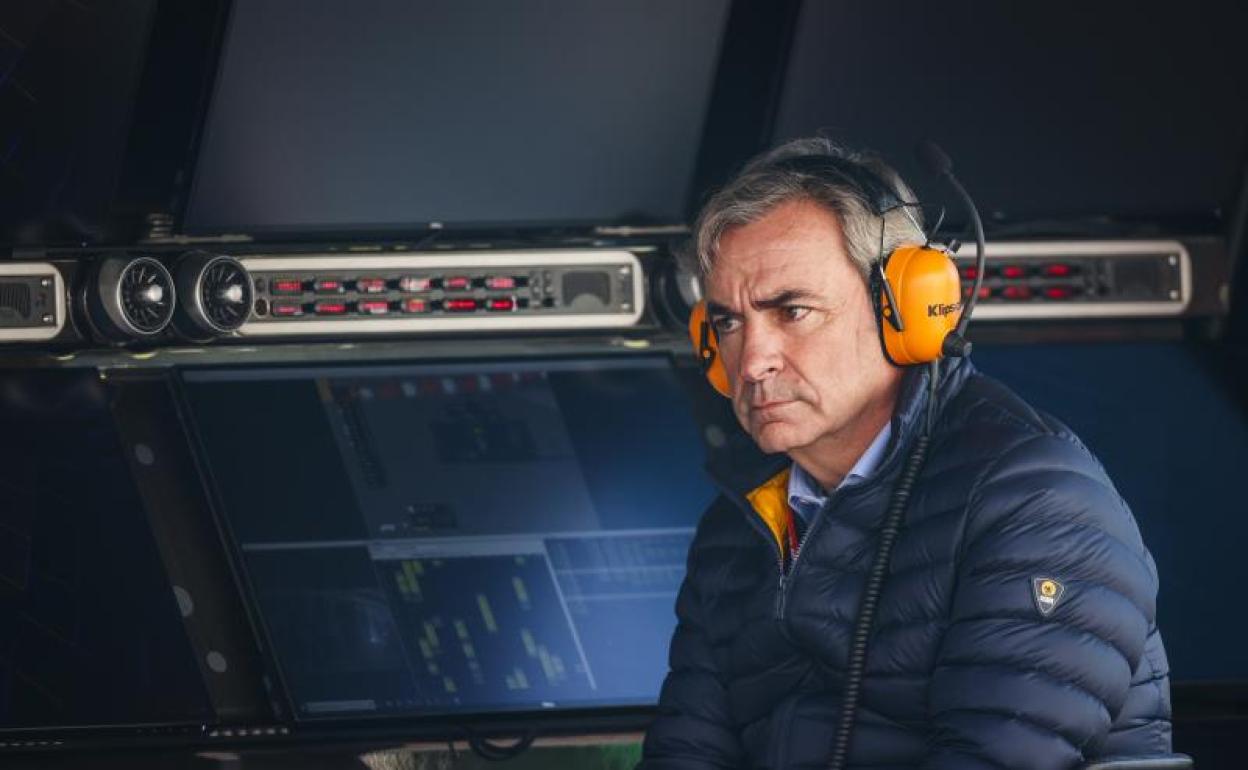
x,y
766,182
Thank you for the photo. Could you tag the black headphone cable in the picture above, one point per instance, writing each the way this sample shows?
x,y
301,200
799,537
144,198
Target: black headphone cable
x,y
857,663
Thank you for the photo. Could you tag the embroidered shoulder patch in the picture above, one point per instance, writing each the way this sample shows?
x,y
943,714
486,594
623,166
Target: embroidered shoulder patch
x,y
1047,592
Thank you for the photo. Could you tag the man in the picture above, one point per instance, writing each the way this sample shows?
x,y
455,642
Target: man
x,y
1016,626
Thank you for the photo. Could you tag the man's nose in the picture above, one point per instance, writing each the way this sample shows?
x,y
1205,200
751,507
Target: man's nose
x,y
760,353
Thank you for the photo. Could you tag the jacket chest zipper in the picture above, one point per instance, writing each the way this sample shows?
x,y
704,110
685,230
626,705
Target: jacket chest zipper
x,y
780,593
786,579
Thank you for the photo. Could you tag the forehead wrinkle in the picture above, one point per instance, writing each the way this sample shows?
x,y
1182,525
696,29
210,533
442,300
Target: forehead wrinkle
x,y
791,231
762,259
762,272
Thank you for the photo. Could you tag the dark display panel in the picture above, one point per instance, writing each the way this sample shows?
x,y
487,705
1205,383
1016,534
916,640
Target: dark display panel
x,y
459,537
1084,113
90,630
68,76
1169,423
378,115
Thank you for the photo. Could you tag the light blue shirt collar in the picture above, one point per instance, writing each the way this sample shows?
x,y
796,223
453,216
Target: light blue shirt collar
x,y
805,494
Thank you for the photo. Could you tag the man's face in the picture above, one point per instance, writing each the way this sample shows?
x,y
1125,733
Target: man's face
x,y
797,333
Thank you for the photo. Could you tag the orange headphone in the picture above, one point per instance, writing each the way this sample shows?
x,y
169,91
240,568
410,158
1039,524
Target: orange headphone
x,y
915,289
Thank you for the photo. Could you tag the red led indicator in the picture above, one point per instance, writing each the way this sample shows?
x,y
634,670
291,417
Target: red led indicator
x,y
373,306
503,304
1013,271
1058,270
415,306
984,292
1058,292
411,283
970,273
457,283
328,286
460,305
331,308
287,309
500,282
1016,292
287,286
371,285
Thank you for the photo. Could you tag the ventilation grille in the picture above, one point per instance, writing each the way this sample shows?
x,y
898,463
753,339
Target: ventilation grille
x,y
14,301
225,294
147,295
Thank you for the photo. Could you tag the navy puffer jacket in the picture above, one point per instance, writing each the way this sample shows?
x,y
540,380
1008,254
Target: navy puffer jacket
x,y
964,670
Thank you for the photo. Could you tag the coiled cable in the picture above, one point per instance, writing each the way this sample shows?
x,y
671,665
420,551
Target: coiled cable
x,y
857,665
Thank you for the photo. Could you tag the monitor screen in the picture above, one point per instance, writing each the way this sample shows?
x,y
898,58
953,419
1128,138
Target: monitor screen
x,y
90,630
378,115
1058,117
67,93
465,537
1170,424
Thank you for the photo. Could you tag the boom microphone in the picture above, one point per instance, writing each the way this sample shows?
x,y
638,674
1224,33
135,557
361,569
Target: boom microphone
x,y
938,162
934,158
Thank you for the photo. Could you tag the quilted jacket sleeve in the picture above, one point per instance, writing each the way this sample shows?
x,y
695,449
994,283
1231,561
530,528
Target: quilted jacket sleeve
x,y
693,730
1019,683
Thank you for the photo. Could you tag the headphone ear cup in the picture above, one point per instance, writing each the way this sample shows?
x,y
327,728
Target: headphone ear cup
x,y
926,296
707,347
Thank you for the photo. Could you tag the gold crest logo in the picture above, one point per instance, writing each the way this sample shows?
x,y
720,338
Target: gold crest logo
x,y
1047,592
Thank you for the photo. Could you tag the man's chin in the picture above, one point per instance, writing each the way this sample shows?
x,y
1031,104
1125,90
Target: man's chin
x,y
773,437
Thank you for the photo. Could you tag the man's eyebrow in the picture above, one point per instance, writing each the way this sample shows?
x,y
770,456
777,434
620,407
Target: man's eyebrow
x,y
779,299
782,298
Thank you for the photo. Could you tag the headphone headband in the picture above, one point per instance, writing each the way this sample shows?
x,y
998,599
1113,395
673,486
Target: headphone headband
x,y
881,197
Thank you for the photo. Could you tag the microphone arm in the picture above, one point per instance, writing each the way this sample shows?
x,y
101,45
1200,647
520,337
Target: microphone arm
x,y
937,161
979,252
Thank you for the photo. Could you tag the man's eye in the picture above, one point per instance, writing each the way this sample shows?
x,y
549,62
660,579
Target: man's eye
x,y
724,324
794,312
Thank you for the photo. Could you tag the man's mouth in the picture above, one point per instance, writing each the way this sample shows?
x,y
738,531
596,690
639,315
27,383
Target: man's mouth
x,y
769,405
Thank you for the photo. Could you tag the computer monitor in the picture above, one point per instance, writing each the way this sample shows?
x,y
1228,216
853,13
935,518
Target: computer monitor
x,y
382,116
1050,113
458,537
